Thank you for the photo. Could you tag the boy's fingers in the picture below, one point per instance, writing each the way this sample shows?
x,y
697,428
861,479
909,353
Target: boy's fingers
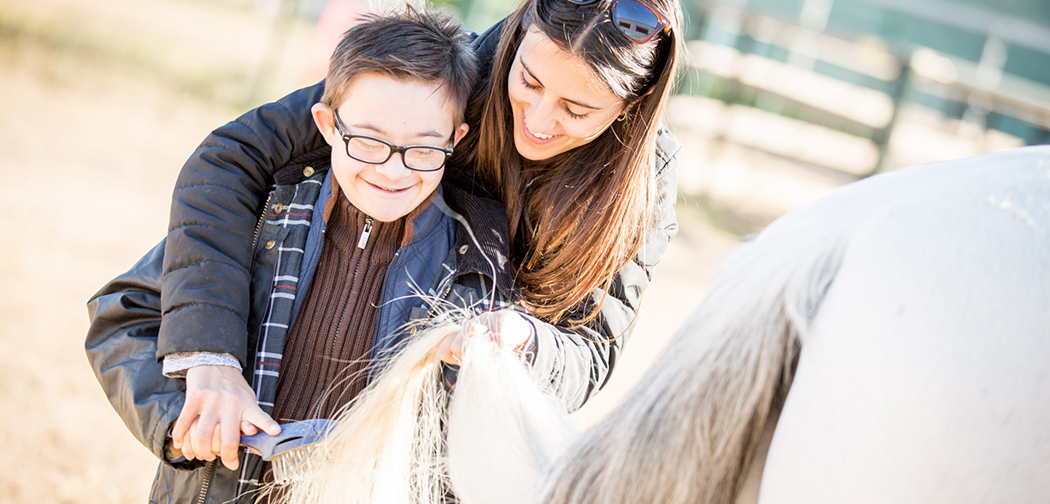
x,y
231,462
248,428
216,441
206,446
258,418
183,424
188,452
203,434
189,446
229,439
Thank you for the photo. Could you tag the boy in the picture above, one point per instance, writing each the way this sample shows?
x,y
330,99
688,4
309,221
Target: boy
x,y
336,257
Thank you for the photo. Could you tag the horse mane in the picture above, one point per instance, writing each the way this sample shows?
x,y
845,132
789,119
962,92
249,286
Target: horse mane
x,y
387,444
409,437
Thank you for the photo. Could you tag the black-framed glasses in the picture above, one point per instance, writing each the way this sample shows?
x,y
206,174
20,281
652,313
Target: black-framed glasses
x,y
636,20
424,158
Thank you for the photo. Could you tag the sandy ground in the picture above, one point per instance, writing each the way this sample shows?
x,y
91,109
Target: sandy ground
x,y
91,147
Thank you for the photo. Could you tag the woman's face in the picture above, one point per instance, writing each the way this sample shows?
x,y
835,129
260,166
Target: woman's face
x,y
558,102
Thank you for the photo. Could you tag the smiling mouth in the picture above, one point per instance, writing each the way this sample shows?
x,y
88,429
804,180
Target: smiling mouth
x,y
535,137
388,189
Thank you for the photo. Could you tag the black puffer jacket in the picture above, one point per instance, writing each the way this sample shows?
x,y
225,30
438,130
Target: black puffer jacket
x,y
222,188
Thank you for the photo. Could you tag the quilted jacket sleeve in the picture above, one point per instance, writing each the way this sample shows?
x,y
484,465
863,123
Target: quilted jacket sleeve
x,y
217,198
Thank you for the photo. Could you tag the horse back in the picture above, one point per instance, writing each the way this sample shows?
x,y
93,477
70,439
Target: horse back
x,y
924,375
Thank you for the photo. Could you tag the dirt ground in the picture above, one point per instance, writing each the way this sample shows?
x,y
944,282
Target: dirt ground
x,y
93,134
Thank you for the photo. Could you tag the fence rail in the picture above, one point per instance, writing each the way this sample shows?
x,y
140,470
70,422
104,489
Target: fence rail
x,y
809,86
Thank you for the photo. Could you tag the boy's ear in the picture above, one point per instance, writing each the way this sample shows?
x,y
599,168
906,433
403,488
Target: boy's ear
x,y
324,118
460,133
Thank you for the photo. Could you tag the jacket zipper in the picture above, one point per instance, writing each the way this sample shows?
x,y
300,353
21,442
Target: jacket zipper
x,y
262,219
430,313
208,472
365,233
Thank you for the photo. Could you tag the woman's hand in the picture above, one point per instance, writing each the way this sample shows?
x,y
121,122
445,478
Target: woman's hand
x,y
508,328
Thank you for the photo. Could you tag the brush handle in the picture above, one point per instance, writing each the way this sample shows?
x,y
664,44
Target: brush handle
x,y
293,435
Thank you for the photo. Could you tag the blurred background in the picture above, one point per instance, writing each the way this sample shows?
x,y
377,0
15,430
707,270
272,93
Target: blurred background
x,y
101,102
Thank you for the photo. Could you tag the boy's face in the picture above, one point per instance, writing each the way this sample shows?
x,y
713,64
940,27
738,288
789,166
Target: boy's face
x,y
401,113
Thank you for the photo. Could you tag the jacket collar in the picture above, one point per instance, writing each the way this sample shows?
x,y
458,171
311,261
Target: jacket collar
x,y
482,238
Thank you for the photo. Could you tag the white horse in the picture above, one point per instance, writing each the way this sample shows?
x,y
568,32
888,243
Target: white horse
x,y
888,343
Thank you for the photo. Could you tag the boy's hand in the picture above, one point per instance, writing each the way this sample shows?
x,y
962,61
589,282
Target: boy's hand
x,y
219,406
506,327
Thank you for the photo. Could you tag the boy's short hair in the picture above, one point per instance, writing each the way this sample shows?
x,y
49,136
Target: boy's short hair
x,y
409,43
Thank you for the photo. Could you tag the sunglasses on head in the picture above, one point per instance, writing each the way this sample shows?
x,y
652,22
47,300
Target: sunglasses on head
x,y
636,20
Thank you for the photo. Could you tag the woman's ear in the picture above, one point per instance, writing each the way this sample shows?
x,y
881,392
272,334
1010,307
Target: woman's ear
x,y
629,108
324,118
460,133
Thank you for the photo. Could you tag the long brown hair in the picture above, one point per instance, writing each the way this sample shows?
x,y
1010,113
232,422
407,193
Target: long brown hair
x,y
578,217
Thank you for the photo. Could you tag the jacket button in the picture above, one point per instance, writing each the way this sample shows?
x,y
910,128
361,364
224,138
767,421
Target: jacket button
x,y
308,171
270,244
277,208
463,249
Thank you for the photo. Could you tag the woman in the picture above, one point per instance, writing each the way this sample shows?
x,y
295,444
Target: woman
x,y
562,131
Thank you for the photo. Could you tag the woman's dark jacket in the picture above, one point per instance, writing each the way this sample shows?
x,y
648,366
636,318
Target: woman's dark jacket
x,y
221,190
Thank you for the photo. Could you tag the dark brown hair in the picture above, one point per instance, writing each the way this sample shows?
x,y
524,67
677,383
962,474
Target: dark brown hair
x,y
407,43
578,217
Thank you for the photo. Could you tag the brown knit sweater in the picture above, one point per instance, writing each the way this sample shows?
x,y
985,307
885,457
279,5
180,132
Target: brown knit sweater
x,y
326,357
